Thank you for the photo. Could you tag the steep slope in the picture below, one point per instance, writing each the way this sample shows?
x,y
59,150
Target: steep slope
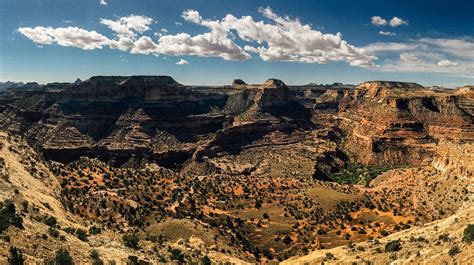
x,y
394,123
47,224
431,242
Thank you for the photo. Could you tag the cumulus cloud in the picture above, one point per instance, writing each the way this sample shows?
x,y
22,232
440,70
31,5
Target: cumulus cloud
x,y
446,63
408,57
128,26
387,33
70,36
395,22
285,39
182,62
378,21
281,38
103,3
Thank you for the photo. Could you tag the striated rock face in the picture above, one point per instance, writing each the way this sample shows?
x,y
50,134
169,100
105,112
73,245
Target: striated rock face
x,y
400,123
113,117
256,110
155,118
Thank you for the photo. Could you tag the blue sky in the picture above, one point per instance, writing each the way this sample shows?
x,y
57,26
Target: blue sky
x,y
429,42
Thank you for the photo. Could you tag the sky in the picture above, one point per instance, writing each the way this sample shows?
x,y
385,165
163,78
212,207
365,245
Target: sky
x,y
211,42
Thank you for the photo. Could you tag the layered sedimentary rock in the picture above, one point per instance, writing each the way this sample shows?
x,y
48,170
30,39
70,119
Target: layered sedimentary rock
x,y
256,110
156,118
114,117
400,123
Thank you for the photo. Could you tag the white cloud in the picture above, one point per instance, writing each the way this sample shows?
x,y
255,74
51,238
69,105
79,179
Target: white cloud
x,y
391,46
281,39
70,36
395,22
182,62
164,30
129,25
178,23
448,56
387,33
144,45
103,3
447,63
456,47
285,39
408,57
378,21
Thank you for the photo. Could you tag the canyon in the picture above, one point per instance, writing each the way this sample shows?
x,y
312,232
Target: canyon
x,y
242,173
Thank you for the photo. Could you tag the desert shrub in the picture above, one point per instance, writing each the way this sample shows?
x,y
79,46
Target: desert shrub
x,y
206,260
131,241
94,230
50,220
329,256
62,257
25,204
81,234
454,250
393,246
95,256
177,255
53,232
16,257
8,216
468,236
444,237
69,230
384,233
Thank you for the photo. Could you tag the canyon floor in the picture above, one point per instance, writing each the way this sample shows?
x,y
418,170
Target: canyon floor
x,y
144,170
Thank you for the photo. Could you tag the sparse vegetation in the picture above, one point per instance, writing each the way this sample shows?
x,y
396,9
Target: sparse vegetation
x,y
81,234
8,216
393,246
95,256
131,241
62,257
453,251
468,234
177,255
16,257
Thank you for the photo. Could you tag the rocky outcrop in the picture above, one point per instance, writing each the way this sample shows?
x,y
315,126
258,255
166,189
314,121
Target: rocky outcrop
x,y
399,123
238,82
114,117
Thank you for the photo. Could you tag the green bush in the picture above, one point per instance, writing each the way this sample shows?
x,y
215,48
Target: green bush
x,y
8,216
468,234
81,234
131,241
53,232
62,258
95,256
94,230
16,257
393,246
177,255
206,260
50,220
454,250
